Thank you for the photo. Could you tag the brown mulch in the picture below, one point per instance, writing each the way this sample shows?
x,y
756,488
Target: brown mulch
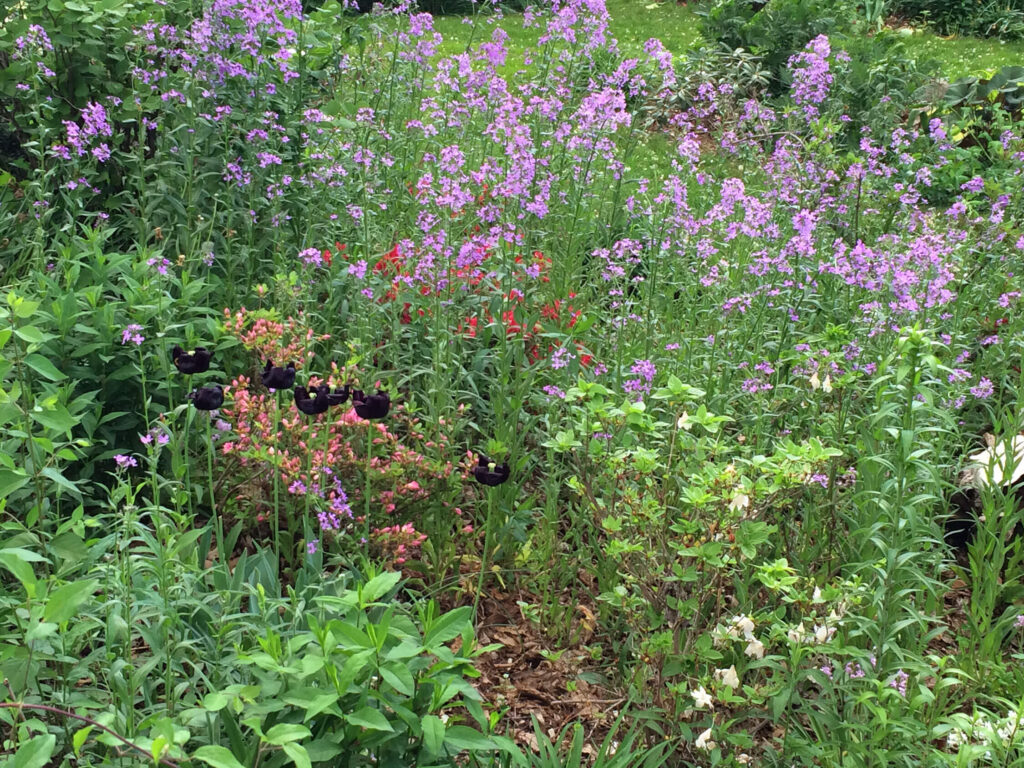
x,y
529,676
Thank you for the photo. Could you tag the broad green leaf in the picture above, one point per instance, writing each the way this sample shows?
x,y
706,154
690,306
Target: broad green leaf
x,y
11,480
283,733
433,734
298,755
214,702
399,677
62,604
378,586
448,627
35,753
56,418
44,367
31,334
218,757
15,562
371,718
460,737
80,737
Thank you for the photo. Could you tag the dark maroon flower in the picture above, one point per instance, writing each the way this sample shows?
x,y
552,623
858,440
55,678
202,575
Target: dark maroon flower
x,y
371,406
487,472
194,362
275,377
207,398
338,396
311,406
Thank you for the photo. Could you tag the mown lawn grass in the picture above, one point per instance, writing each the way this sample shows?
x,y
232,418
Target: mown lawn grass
x,y
676,24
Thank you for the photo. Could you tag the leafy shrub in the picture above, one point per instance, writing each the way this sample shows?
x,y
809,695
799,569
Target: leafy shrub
x,y
775,30
989,18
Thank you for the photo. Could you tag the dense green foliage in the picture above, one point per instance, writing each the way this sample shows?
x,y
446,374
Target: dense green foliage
x,y
689,356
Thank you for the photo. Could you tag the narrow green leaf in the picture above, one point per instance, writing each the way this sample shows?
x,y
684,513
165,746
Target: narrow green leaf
x,y
433,734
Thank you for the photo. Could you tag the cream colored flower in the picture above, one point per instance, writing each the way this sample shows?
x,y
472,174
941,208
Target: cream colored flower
x,y
740,500
815,382
826,385
704,741
702,698
744,759
684,422
728,677
755,649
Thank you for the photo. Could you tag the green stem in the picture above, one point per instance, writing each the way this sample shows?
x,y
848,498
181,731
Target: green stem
x,y
484,556
366,483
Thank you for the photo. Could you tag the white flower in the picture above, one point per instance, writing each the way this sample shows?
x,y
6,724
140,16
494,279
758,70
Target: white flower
x,y
826,385
823,633
702,698
816,597
755,649
815,381
740,500
744,759
741,624
704,741
684,422
728,677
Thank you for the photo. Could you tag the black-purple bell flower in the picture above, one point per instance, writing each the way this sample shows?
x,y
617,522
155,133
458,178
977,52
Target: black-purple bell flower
x,y
371,406
311,406
191,362
207,398
487,472
276,377
338,397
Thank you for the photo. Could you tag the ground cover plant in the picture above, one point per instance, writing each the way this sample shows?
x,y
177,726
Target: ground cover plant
x,y
370,398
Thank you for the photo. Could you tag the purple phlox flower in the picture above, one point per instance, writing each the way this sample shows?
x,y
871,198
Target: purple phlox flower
x,y
899,682
984,389
124,462
311,546
132,334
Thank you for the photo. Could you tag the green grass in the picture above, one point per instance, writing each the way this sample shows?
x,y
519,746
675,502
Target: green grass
x,y
636,21
964,56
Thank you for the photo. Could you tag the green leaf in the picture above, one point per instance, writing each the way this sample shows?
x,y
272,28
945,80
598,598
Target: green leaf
x,y
283,733
79,738
298,755
448,627
14,560
218,757
460,737
44,367
370,718
31,334
56,418
35,754
433,734
53,474
399,678
62,604
11,480
377,587
214,702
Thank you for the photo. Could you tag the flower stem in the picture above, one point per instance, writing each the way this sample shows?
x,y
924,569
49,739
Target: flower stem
x,y
484,554
366,483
